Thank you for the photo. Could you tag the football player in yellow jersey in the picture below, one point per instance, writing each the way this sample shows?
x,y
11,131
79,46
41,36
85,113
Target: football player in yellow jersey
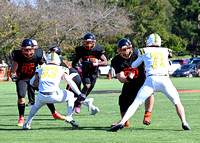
x,y
156,63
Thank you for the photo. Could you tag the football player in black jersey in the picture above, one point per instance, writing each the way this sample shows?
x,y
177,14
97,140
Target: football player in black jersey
x,y
91,57
74,75
133,79
23,67
24,63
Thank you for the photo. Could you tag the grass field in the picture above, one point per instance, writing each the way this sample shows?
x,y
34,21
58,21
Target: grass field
x,y
165,126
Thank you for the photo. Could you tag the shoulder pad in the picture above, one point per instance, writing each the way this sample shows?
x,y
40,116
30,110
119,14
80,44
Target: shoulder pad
x,y
135,51
16,54
79,49
99,48
142,51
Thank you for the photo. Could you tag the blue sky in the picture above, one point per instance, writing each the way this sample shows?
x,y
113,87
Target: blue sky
x,y
17,1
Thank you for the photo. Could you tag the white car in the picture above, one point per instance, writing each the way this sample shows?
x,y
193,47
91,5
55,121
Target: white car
x,y
106,70
173,66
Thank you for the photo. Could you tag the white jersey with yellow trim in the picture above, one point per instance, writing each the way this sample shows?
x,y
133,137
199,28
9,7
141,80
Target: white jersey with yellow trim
x,y
155,59
50,76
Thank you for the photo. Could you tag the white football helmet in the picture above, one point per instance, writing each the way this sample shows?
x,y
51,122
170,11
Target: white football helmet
x,y
53,58
154,40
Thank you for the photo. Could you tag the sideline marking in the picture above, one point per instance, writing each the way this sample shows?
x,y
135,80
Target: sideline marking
x,y
119,91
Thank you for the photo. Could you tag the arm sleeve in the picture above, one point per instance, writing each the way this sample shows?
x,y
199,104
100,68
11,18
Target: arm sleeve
x,y
138,61
72,84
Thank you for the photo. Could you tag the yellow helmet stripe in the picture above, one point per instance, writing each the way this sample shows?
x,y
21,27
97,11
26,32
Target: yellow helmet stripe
x,y
52,55
156,38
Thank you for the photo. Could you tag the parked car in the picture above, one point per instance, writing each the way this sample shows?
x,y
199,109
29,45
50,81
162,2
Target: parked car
x,y
104,70
187,70
182,61
198,69
195,61
173,66
194,58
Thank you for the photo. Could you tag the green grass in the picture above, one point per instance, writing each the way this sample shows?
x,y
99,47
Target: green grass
x,y
165,126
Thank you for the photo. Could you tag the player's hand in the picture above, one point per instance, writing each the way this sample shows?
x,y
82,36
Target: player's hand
x,y
88,63
94,61
131,75
82,97
14,78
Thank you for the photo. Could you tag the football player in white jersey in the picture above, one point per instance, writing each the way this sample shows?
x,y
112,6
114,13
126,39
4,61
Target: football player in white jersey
x,y
47,79
156,63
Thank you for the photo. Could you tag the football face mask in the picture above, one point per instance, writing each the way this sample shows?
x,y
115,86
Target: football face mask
x,y
89,44
126,51
28,51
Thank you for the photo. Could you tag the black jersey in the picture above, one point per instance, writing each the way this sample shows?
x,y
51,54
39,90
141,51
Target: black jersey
x,y
85,55
121,64
66,64
26,67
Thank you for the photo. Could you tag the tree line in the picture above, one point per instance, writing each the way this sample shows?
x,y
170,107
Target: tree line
x,y
63,23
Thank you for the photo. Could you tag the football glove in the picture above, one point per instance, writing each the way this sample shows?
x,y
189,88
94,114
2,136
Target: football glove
x,y
82,97
14,78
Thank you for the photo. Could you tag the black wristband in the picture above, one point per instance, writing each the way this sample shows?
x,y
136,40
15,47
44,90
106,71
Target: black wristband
x,y
128,78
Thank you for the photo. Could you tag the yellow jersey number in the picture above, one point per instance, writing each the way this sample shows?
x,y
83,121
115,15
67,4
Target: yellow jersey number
x,y
49,72
155,63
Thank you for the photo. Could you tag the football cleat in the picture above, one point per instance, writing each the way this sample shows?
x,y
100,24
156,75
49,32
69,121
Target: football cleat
x,y
56,115
94,111
70,120
74,124
185,126
26,127
147,118
88,102
29,104
77,110
127,124
116,127
21,121
77,106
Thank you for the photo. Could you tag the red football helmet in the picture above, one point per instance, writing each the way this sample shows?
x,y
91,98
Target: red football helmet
x,y
125,48
89,41
27,48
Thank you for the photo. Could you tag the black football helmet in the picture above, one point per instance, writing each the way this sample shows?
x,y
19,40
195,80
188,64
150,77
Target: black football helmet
x,y
55,49
125,48
89,41
27,48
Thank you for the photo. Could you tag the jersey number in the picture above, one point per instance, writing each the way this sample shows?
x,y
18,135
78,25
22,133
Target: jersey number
x,y
27,69
49,72
127,70
155,55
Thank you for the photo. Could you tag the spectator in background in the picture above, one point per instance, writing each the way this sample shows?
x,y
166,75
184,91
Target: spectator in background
x,y
35,44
